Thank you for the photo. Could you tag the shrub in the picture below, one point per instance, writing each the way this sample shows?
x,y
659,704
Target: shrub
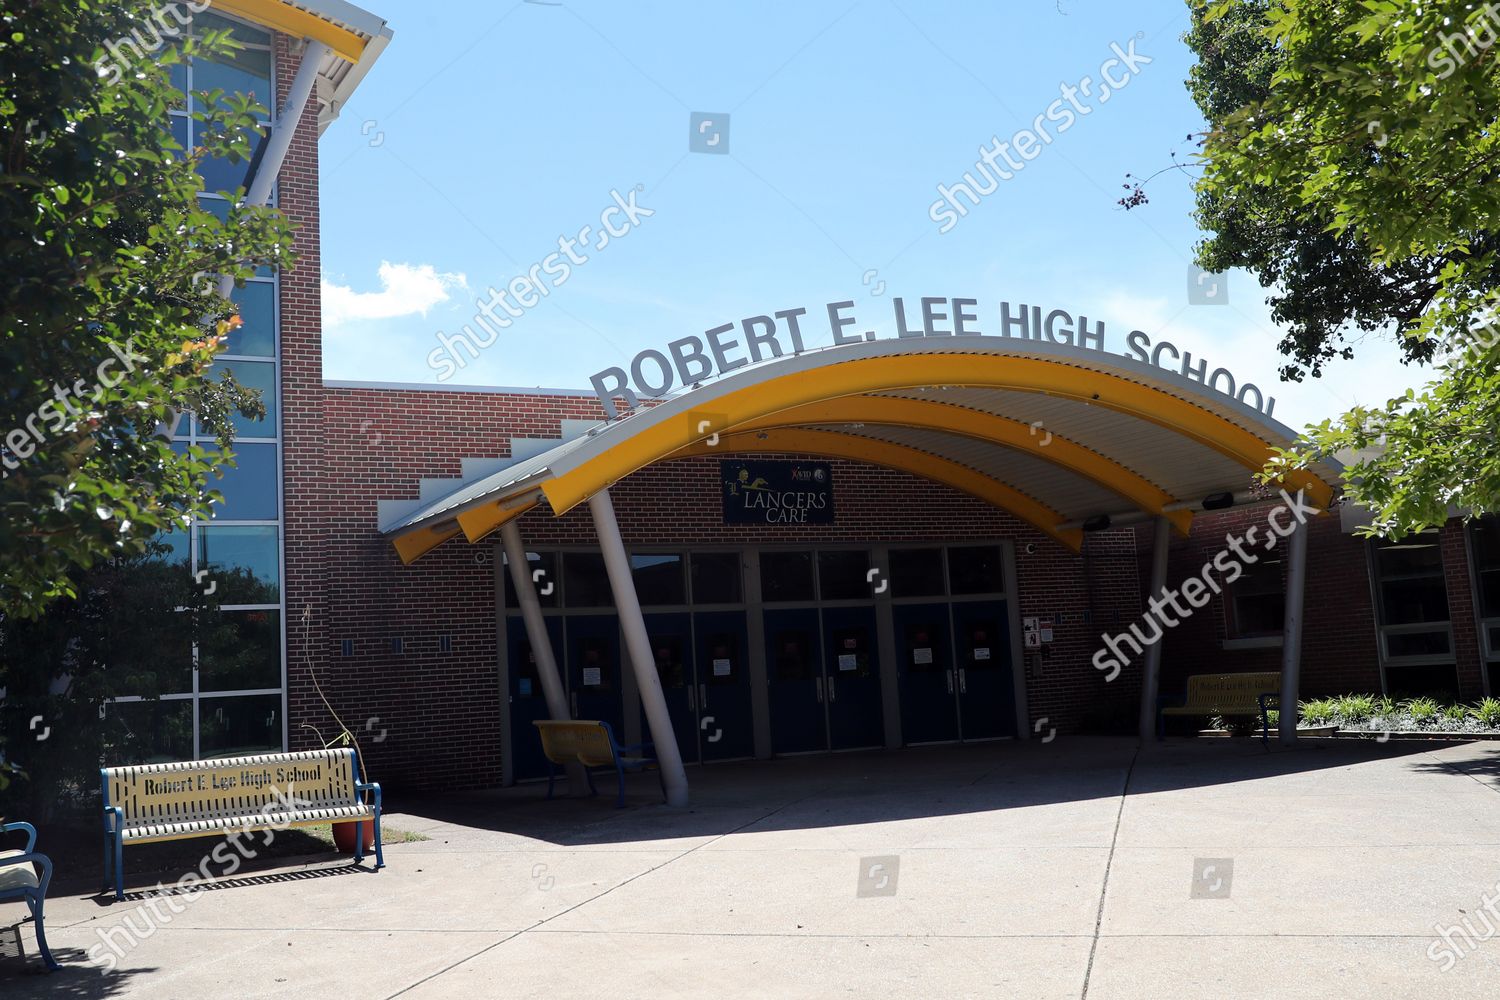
x,y
1383,706
1354,708
1319,711
1455,714
1423,711
1488,712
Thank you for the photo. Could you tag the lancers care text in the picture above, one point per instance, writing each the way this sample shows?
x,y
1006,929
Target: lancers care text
x,y
753,339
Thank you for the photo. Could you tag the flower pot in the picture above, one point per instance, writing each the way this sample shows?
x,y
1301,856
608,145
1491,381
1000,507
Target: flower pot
x,y
346,835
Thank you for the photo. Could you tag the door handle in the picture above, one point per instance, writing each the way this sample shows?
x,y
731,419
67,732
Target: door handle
x,y
818,686
963,681
703,696
831,692
949,675
575,704
692,699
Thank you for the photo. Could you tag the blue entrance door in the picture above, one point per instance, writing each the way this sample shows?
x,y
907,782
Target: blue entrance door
x,y
794,674
928,677
721,662
986,696
671,638
594,669
851,678
527,702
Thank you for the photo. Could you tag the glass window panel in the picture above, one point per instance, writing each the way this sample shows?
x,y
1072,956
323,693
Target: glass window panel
x,y
179,127
794,654
256,333
260,376
1257,603
1438,681
842,575
543,567
228,172
245,72
1486,532
236,727
239,650
1489,593
1417,554
148,732
975,569
242,563
249,485
716,578
786,576
585,581
666,649
917,573
1433,643
659,578
240,31
1408,602
178,73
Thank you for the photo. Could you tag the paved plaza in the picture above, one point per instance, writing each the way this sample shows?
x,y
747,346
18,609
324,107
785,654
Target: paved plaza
x,y
1074,868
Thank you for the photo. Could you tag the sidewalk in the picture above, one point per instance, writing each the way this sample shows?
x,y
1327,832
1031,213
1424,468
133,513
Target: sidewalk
x,y
1005,870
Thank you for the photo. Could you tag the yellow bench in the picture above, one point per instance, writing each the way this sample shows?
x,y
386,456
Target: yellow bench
x,y
150,803
1222,695
592,743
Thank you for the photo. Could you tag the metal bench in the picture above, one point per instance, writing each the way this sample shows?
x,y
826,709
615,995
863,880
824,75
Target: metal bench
x,y
592,743
24,875
150,803
1222,695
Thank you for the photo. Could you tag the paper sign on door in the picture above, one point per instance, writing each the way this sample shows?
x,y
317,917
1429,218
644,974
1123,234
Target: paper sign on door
x,y
721,668
591,677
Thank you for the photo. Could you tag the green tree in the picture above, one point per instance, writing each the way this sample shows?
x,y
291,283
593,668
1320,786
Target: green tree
x,y
1351,163
108,316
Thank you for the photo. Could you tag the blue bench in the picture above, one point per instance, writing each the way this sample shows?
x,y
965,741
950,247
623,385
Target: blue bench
x,y
24,875
592,743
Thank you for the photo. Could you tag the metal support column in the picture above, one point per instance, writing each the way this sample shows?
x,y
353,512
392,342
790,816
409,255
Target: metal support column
x,y
1151,668
541,644
1291,633
638,644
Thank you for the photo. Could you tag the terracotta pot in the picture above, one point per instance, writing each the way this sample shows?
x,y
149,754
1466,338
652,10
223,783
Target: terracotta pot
x,y
346,834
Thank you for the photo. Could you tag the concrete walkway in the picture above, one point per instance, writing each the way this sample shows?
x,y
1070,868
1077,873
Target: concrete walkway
x,y
1076,868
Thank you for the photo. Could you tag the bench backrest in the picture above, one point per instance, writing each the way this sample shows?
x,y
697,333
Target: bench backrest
x,y
262,785
587,742
1230,690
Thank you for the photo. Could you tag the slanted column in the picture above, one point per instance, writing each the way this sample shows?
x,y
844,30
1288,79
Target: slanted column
x,y
638,645
1291,633
1151,667
541,642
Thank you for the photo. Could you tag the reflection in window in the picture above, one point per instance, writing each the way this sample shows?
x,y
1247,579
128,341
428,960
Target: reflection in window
x,y
585,580
261,377
842,575
249,486
975,569
256,334
542,568
1256,605
917,573
148,732
1410,580
716,577
235,727
242,562
659,578
786,576
239,650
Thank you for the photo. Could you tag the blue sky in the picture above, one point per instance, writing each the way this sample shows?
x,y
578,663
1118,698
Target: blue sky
x,y
489,130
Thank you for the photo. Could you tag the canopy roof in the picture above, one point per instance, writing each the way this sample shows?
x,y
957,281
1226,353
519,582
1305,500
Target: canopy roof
x,y
355,39
1055,434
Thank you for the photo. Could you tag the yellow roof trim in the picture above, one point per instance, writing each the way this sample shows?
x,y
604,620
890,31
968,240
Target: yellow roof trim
x,y
850,378
933,415
297,23
894,456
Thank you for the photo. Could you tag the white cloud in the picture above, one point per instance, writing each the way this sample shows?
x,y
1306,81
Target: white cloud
x,y
404,289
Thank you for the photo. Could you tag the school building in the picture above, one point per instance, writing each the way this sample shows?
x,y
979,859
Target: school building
x,y
928,539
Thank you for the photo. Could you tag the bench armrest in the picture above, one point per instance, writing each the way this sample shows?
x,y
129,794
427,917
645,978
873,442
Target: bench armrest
x,y
30,833
369,786
116,813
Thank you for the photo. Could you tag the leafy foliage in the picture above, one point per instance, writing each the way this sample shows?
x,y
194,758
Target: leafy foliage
x,y
1351,163
108,316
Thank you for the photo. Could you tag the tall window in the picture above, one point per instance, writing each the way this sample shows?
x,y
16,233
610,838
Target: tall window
x,y
1256,603
1411,598
229,697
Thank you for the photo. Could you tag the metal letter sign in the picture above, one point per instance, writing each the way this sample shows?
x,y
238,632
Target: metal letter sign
x,y
777,492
